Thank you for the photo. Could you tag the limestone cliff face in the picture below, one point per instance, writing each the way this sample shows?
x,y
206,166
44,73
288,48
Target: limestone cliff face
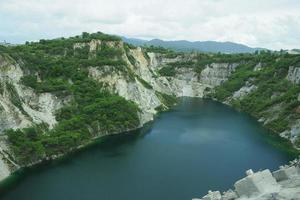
x,y
129,89
294,132
20,105
294,74
217,73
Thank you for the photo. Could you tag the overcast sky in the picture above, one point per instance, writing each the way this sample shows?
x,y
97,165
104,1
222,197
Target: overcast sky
x,y
272,24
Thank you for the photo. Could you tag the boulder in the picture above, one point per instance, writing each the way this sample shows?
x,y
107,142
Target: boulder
x,y
256,184
285,173
216,195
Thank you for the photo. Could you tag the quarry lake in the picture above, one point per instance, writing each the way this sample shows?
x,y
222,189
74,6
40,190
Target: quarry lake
x,y
198,145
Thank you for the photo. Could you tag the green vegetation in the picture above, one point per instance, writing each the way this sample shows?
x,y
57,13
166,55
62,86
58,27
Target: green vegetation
x,y
127,48
167,100
78,124
167,71
1,88
56,67
14,97
161,50
236,81
144,83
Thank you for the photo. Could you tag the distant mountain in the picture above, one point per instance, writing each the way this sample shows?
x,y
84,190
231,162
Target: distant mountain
x,y
205,46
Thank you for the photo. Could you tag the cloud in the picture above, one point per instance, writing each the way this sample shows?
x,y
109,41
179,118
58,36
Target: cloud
x,y
269,23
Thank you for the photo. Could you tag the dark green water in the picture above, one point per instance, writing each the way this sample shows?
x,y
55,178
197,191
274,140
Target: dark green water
x,y
199,145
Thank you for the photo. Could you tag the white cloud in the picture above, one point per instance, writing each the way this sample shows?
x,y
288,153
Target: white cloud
x,y
271,23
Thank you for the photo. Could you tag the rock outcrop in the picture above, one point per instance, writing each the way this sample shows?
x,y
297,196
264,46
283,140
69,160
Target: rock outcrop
x,y
282,184
20,106
294,74
217,73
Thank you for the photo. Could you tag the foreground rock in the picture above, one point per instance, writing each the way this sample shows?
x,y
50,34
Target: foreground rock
x,y
263,185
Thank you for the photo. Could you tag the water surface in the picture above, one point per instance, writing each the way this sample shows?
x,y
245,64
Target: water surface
x,y
197,146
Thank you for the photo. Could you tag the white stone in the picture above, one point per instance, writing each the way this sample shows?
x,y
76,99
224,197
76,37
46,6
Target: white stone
x,y
216,195
229,195
256,184
258,67
249,172
285,173
244,91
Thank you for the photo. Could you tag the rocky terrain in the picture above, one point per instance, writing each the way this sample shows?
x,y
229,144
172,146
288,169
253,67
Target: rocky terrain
x,y
264,185
148,79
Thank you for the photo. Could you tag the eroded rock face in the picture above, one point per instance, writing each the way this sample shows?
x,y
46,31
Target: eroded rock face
x,y
295,131
131,90
217,73
294,74
142,67
10,115
244,91
21,107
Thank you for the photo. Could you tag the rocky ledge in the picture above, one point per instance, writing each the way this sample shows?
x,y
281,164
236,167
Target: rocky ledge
x,y
282,184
